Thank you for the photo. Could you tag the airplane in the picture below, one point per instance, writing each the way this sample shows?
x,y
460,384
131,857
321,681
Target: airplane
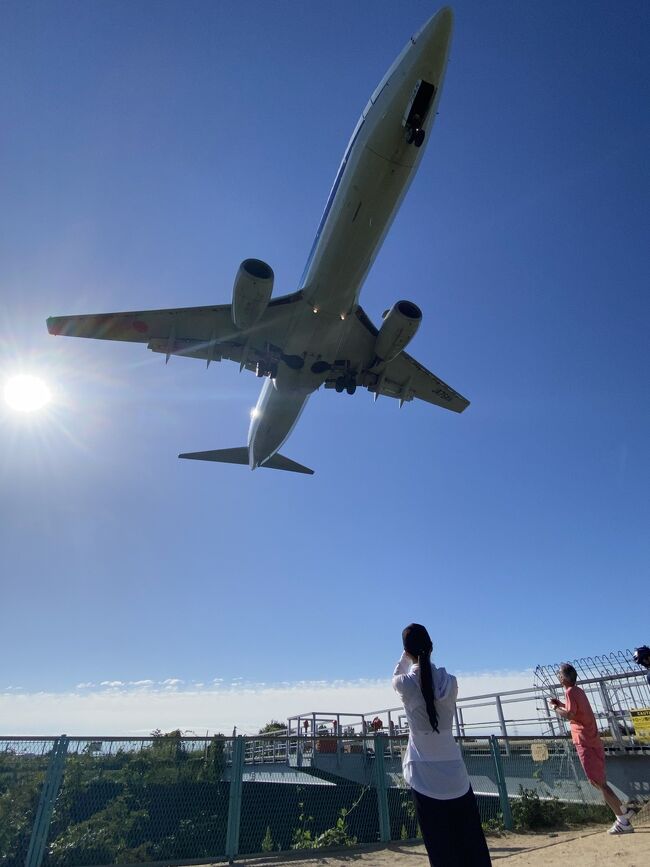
x,y
318,335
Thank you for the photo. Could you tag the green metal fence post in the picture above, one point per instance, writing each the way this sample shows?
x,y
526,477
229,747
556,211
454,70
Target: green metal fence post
x,y
234,803
382,792
501,783
51,786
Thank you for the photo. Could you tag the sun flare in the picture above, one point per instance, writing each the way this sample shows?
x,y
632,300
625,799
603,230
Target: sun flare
x,y
26,393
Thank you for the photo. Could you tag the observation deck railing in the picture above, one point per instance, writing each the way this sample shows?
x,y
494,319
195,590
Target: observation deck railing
x,y
508,714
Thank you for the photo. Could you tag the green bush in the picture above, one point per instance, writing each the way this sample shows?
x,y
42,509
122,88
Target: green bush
x,y
493,825
529,813
587,814
338,835
267,842
21,781
302,837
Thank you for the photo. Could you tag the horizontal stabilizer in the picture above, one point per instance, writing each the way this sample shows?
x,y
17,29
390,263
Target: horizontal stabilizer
x,y
279,462
240,456
222,456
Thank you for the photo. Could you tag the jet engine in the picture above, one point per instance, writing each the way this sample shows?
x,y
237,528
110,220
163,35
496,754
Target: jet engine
x,y
251,292
397,330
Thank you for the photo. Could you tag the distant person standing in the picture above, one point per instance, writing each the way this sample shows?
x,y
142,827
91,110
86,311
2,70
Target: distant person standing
x,y
584,734
642,657
433,765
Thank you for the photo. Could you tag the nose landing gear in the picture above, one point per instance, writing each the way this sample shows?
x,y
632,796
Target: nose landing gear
x,y
417,111
414,132
416,137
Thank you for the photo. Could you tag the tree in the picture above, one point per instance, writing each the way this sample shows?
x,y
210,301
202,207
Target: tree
x,y
273,726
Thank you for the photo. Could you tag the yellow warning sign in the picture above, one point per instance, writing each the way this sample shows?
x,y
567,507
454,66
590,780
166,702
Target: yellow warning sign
x,y
641,722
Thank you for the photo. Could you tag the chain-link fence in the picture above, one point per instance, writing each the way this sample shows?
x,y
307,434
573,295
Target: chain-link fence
x,y
68,802
23,766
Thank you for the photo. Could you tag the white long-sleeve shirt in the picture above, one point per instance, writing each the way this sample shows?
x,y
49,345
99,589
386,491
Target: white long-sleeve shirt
x,y
432,764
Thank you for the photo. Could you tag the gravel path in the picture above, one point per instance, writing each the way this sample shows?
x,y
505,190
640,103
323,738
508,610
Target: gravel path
x,y
587,847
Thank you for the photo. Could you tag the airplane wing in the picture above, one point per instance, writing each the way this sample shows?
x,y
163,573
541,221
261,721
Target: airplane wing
x,y
403,378
197,332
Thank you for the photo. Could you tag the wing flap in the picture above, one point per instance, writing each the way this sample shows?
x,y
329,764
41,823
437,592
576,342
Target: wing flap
x,y
141,326
196,332
405,378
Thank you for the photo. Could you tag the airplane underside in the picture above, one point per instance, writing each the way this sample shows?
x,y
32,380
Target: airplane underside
x,y
318,335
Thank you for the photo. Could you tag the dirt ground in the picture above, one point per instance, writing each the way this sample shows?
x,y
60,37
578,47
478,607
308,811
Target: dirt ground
x,y
587,847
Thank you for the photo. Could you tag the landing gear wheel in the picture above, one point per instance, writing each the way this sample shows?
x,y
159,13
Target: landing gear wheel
x,y
415,135
351,387
339,385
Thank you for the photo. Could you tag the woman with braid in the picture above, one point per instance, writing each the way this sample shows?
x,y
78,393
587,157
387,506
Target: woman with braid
x,y
433,766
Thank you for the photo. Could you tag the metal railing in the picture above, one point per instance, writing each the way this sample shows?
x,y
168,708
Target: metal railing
x,y
511,713
614,690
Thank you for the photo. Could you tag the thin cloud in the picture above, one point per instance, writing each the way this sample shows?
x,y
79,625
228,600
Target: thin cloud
x,y
128,709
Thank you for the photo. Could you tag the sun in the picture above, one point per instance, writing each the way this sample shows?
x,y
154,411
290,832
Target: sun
x,y
26,393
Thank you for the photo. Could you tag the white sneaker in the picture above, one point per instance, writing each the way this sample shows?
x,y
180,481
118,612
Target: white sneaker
x,y
621,828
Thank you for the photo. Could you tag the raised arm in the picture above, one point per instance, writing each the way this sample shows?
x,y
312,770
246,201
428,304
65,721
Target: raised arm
x,y
401,670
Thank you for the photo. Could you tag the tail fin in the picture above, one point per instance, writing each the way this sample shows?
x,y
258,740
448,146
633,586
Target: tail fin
x,y
240,456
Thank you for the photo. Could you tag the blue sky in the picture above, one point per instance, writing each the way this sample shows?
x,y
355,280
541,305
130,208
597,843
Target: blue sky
x,y
147,148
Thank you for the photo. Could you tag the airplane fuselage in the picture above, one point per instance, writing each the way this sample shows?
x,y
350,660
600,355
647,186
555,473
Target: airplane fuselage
x,y
375,173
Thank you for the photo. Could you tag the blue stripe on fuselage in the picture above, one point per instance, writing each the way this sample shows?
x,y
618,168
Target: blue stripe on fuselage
x,y
330,201
331,197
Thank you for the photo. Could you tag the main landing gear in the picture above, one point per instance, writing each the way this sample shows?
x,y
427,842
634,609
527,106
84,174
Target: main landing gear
x,y
266,369
345,383
268,366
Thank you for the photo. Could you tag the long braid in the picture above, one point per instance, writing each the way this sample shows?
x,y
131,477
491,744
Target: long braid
x,y
426,685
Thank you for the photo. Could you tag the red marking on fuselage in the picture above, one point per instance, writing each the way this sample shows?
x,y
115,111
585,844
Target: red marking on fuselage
x,y
140,326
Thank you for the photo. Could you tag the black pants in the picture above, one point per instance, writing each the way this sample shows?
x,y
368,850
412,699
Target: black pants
x,y
452,831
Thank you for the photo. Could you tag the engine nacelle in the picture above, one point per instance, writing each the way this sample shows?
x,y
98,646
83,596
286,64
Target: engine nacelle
x,y
251,292
397,330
